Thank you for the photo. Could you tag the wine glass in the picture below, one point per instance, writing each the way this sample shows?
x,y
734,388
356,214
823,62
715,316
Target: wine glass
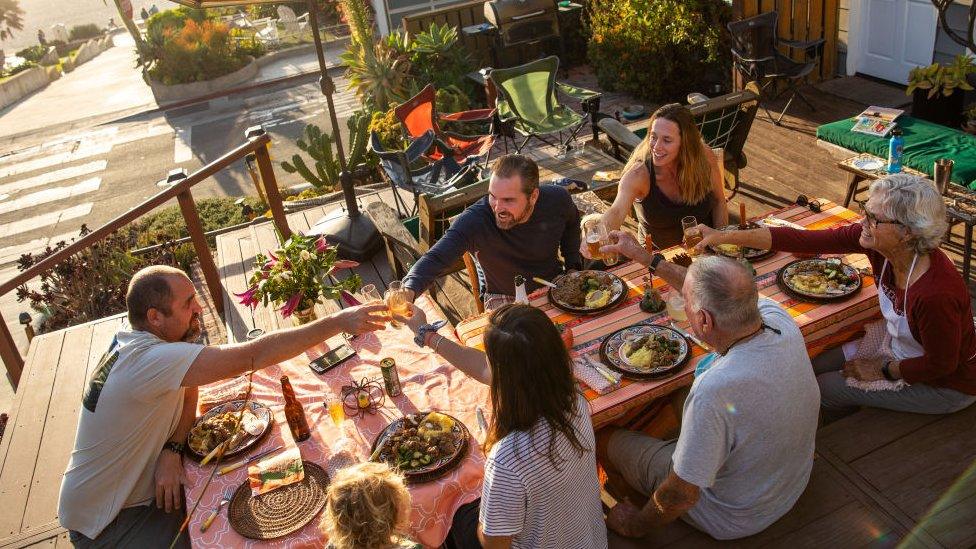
x,y
692,234
370,294
396,301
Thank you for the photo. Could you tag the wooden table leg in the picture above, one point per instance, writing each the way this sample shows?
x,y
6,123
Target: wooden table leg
x,y
852,184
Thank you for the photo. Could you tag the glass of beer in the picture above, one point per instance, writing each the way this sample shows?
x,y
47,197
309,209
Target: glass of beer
x,y
396,301
692,234
334,405
593,238
676,307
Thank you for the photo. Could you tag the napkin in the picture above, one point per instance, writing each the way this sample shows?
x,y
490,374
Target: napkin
x,y
275,471
876,343
585,372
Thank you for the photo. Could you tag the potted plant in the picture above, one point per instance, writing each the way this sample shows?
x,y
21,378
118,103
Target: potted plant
x,y
296,277
932,89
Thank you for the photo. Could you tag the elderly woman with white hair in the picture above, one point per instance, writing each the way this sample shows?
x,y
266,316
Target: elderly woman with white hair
x,y
925,344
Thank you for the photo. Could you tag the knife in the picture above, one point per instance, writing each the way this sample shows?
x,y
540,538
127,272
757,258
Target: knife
x,y
601,370
228,468
691,337
544,282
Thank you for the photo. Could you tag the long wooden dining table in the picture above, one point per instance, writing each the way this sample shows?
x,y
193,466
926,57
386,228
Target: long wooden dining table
x,y
823,324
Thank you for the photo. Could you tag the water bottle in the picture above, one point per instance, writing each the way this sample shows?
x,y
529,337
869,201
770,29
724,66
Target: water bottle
x,y
896,146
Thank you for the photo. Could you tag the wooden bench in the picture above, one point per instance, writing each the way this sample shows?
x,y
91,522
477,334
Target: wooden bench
x,y
41,431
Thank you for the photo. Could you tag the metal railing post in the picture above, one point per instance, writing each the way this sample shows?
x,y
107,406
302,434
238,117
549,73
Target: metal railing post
x,y
207,265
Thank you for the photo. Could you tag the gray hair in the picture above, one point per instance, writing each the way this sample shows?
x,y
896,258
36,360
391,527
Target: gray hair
x,y
916,204
724,288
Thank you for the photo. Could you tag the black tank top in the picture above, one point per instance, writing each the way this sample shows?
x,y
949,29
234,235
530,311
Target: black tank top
x,y
658,216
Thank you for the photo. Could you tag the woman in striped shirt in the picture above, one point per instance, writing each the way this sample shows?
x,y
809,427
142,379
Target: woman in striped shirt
x,y
541,487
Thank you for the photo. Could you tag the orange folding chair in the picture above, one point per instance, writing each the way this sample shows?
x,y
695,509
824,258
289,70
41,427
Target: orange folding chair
x,y
419,115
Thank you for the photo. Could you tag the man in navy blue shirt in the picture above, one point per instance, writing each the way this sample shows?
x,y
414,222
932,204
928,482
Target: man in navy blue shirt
x,y
518,229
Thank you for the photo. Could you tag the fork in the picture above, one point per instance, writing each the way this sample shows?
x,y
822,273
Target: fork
x,y
213,514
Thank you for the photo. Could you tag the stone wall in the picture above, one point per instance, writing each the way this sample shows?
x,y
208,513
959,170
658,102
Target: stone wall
x,y
21,84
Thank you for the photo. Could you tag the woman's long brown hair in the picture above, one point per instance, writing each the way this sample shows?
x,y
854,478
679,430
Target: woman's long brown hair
x,y
694,168
532,377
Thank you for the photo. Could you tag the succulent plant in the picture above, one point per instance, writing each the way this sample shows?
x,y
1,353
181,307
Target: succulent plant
x,y
942,79
319,146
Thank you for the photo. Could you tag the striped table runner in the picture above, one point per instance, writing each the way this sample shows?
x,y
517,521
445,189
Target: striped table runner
x,y
822,325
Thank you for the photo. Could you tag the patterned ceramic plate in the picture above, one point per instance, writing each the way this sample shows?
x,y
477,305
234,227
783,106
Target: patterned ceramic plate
x,y
401,447
731,250
199,430
570,295
821,279
868,164
614,350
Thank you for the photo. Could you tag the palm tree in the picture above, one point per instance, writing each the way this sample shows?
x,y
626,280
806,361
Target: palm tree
x,y
11,18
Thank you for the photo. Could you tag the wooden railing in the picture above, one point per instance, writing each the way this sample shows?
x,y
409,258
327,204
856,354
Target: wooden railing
x,y
801,20
181,191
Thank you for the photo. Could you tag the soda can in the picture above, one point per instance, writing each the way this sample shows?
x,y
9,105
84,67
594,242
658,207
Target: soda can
x,y
390,377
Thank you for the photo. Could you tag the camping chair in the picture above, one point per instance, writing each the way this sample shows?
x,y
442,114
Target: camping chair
x,y
755,53
293,25
265,29
527,103
419,115
432,178
724,123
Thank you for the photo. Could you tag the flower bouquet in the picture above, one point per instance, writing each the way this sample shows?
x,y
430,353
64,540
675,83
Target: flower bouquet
x,y
296,277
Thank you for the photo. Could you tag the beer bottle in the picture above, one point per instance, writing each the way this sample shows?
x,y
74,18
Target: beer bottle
x,y
294,412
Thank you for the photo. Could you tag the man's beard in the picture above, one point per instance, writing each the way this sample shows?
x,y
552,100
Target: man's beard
x,y
193,333
513,221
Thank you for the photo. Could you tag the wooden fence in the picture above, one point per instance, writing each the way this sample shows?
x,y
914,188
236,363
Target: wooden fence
x,y
181,191
801,20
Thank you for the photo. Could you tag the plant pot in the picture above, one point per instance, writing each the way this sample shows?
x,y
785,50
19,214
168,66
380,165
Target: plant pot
x,y
303,316
939,109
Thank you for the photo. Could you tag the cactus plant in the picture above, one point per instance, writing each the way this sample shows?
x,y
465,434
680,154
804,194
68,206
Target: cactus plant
x,y
319,146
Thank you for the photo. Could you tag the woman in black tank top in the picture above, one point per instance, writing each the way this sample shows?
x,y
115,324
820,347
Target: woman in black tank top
x,y
670,175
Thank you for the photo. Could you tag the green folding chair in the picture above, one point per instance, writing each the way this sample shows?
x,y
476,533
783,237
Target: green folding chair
x,y
527,103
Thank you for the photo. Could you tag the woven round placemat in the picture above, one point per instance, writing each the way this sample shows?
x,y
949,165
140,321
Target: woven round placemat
x,y
281,511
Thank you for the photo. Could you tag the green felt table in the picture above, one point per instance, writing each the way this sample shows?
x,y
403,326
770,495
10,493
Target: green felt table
x,y
925,143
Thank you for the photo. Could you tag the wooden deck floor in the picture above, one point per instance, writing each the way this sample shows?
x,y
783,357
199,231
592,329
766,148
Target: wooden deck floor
x,y
880,478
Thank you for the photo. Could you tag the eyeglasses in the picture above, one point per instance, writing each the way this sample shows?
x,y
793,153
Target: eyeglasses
x,y
872,219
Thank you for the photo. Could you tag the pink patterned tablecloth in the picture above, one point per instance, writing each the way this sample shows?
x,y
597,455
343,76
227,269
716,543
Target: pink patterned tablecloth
x,y
429,383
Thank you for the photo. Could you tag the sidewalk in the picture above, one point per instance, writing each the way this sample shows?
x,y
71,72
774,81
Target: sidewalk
x,y
110,87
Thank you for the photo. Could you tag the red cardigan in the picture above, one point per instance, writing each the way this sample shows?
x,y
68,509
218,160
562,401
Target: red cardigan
x,y
939,312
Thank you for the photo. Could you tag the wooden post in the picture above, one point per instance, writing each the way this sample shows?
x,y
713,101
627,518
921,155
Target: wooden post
x,y
199,240
10,355
271,191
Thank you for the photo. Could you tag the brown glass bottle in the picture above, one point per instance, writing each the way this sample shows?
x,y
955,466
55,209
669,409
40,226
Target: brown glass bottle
x,y
294,412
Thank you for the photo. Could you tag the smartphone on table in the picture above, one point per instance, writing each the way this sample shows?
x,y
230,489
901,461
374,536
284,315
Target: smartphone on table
x,y
332,359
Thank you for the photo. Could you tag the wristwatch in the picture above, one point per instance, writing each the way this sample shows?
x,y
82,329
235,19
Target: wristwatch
x,y
425,329
173,446
655,260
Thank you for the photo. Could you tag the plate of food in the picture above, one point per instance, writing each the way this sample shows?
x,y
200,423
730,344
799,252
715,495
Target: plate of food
x,y
587,292
220,424
422,446
820,279
868,164
645,352
734,251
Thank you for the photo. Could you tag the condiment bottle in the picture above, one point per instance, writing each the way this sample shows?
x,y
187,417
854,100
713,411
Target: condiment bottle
x,y
294,412
520,295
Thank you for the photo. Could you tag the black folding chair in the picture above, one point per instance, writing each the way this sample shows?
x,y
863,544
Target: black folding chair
x,y
756,54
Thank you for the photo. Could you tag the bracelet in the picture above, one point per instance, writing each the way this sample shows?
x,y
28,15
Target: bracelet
x,y
440,338
886,371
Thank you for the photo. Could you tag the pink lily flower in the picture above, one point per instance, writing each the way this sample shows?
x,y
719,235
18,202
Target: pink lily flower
x,y
345,264
290,306
321,245
249,297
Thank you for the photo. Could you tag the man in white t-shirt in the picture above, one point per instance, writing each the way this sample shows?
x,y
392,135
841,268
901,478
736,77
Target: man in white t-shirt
x,y
745,450
122,487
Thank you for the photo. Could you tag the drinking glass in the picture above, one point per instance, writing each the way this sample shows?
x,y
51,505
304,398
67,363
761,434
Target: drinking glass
x,y
676,307
692,234
597,235
334,405
370,294
396,301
